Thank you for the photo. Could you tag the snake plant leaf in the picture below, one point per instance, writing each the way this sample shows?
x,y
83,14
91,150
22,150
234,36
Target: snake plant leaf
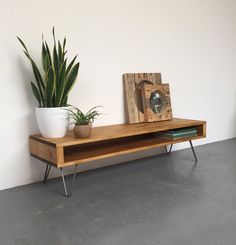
x,y
37,75
45,57
61,84
64,44
55,59
60,54
55,66
71,79
22,43
63,48
54,101
36,72
36,93
50,85
64,101
48,53
47,62
70,65
53,34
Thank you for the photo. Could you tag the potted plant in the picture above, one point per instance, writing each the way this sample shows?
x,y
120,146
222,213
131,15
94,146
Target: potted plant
x,y
52,87
83,121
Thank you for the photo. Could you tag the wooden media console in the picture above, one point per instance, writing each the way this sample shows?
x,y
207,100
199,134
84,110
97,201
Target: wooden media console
x,y
108,141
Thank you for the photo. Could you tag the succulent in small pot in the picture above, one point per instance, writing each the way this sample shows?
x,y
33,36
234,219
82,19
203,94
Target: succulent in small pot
x,y
52,86
83,121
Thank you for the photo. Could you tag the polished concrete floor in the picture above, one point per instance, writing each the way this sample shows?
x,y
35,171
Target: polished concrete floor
x,y
163,200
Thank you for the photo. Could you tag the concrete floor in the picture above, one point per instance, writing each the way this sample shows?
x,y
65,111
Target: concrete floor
x,y
157,200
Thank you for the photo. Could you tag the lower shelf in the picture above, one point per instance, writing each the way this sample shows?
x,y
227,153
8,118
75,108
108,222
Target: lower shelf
x,y
109,148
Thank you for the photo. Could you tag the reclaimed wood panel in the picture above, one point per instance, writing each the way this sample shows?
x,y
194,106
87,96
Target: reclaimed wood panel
x,y
129,93
166,111
132,83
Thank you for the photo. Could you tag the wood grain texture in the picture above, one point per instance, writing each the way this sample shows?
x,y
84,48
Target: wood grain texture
x,y
43,151
129,93
201,130
119,131
166,111
132,93
60,155
109,141
84,155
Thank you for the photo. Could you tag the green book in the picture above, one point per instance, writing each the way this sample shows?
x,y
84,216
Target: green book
x,y
182,131
174,137
178,133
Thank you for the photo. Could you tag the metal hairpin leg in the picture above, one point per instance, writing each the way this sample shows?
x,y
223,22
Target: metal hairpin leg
x,y
64,182
191,144
47,171
168,152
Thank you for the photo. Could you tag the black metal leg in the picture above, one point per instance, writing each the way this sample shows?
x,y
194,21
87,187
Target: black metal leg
x,y
191,144
166,149
47,171
168,152
67,194
45,175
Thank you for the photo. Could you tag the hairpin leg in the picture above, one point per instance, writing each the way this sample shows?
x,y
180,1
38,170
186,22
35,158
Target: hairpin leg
x,y
191,144
168,151
64,183
67,194
47,171
74,176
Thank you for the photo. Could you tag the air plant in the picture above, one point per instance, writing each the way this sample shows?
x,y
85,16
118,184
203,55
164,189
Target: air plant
x,y
80,118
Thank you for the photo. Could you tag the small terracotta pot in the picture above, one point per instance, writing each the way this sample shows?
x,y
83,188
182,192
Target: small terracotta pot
x,y
82,131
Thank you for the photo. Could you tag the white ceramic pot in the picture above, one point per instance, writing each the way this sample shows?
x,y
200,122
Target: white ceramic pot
x,y
52,121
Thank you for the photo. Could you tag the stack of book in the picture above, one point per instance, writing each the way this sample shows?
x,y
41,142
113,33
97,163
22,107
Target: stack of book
x,y
178,133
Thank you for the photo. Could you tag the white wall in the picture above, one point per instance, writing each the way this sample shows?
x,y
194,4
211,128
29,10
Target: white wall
x,y
191,42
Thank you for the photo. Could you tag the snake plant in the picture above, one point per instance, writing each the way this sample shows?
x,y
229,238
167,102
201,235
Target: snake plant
x,y
51,88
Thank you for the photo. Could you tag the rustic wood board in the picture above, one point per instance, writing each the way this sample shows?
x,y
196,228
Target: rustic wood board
x,y
133,94
165,112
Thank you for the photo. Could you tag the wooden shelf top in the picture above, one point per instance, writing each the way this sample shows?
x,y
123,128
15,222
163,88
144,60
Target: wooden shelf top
x,y
118,131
